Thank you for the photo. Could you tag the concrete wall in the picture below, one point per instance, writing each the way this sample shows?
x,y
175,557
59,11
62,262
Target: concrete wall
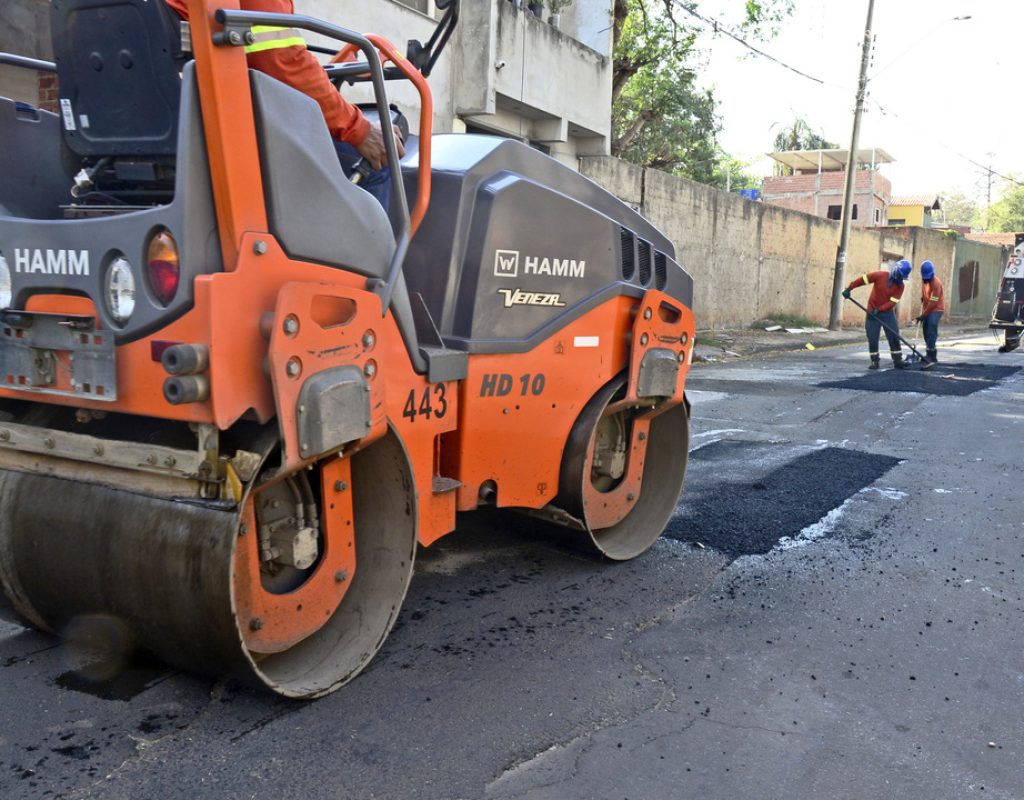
x,y
504,70
750,260
24,31
532,81
398,21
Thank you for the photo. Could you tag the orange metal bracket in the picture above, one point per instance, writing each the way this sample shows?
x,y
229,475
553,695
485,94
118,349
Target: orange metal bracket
x,y
226,101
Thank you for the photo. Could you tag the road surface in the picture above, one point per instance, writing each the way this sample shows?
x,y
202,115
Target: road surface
x,y
834,611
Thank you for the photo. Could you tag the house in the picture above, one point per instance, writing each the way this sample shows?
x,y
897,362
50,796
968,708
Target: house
x,y
914,210
817,179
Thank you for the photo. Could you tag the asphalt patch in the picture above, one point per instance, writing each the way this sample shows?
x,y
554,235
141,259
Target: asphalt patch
x,y
749,518
115,681
958,380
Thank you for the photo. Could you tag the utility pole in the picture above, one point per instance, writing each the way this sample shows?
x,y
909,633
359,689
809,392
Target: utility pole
x,y
988,195
851,163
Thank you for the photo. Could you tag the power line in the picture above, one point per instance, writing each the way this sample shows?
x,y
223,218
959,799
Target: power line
x,y
717,27
984,167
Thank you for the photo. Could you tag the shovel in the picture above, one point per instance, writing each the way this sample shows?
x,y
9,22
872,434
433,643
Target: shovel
x,y
925,363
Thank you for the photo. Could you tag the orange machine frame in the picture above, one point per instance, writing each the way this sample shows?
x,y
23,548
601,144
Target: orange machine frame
x,y
455,430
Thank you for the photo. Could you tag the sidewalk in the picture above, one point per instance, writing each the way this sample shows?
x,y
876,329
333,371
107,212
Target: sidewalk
x,y
728,345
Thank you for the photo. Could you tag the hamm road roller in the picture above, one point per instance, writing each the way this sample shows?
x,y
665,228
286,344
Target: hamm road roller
x,y
236,394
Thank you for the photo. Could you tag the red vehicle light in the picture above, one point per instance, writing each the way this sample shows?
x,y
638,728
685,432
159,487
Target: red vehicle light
x,y
163,267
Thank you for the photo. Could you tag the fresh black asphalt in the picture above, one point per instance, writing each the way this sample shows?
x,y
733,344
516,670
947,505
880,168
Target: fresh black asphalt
x,y
942,379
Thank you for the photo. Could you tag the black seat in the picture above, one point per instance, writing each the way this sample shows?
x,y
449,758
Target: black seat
x,y
119,64
36,173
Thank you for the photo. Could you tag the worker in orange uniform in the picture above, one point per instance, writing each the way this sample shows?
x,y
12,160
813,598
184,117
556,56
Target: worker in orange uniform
x,y
886,291
933,303
282,54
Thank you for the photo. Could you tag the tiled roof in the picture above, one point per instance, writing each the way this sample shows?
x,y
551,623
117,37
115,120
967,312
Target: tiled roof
x,y
925,200
1005,239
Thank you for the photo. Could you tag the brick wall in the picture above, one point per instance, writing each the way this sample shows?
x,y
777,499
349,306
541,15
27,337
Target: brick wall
x,y
814,192
48,96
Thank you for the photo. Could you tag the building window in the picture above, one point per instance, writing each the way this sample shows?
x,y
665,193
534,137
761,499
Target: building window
x,y
836,212
878,215
420,5
897,222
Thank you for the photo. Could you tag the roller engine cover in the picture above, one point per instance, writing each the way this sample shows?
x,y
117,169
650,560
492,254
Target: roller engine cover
x,y
531,245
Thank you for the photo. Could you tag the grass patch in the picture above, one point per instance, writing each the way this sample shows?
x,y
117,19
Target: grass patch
x,y
710,340
785,320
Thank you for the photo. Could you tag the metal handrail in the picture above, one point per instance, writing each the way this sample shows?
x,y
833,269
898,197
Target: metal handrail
x,y
237,26
25,62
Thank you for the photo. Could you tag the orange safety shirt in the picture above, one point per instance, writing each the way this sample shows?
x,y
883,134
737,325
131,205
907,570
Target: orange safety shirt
x,y
932,296
297,67
883,295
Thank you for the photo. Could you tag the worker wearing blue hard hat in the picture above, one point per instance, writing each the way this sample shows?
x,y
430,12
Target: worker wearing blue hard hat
x,y
886,291
933,303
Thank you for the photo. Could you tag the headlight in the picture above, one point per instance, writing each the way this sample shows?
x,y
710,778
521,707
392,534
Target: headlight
x,y
5,283
120,290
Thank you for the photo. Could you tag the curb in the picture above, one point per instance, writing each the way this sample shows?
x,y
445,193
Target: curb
x,y
748,344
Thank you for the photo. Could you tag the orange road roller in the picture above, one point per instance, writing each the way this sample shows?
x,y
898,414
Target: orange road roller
x,y
236,393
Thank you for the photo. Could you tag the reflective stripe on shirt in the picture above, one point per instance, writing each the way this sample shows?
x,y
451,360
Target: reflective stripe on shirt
x,y
267,37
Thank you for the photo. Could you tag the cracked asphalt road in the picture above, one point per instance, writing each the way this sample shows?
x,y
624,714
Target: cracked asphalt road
x,y
875,653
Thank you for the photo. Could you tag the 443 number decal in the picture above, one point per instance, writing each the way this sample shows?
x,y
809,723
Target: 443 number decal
x,y
432,401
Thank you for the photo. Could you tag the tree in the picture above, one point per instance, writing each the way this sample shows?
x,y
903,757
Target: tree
x,y
800,136
1007,214
660,117
958,209
731,174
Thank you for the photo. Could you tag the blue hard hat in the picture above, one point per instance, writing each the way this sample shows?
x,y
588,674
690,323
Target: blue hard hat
x,y
927,270
904,268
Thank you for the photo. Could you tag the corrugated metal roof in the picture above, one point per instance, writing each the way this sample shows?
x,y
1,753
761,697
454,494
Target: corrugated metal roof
x,y
829,160
922,200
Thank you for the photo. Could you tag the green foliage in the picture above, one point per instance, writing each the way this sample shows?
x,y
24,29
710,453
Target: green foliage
x,y
958,209
663,121
1007,215
800,136
731,174
660,117
785,319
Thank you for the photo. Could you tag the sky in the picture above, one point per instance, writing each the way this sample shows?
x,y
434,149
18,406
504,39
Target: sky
x,y
942,93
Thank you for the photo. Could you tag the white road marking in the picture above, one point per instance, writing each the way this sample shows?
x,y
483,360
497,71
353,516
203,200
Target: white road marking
x,y
716,433
8,629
